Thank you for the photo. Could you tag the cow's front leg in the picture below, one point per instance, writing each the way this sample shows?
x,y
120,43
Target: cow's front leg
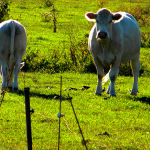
x,y
108,90
100,74
112,76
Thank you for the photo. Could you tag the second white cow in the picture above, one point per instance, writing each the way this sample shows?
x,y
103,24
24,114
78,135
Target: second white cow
x,y
12,48
115,38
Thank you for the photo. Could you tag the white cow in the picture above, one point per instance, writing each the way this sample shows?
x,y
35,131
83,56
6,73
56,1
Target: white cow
x,y
12,48
115,38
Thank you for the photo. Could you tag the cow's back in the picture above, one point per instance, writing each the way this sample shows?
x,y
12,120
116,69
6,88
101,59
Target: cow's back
x,y
20,38
5,39
131,37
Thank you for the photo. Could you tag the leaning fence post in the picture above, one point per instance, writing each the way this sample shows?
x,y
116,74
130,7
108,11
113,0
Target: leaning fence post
x,y
28,119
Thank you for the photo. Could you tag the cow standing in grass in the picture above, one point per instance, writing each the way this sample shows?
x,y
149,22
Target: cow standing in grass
x,y
115,38
12,48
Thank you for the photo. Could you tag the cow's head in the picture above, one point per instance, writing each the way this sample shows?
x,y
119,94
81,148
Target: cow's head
x,y
104,22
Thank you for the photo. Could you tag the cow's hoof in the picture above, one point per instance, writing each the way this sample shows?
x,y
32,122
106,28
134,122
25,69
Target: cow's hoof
x,y
10,88
108,91
97,93
134,94
15,90
113,94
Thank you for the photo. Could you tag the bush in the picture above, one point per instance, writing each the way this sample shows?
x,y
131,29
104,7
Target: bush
x,y
76,58
46,17
4,10
145,39
48,3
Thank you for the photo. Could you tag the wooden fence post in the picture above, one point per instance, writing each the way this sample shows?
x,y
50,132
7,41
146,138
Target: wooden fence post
x,y
28,119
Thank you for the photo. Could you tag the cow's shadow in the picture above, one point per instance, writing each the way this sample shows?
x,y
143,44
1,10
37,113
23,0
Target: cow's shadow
x,y
141,99
44,96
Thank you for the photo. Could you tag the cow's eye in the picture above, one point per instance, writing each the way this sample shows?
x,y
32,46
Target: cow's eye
x,y
110,21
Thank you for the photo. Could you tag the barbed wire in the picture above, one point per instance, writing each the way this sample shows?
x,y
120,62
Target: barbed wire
x,y
45,116
66,124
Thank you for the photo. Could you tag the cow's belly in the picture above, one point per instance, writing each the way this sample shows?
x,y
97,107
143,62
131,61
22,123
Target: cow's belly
x,y
126,58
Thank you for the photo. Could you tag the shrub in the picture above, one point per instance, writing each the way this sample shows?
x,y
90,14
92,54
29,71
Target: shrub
x,y
50,17
48,3
145,39
46,17
4,10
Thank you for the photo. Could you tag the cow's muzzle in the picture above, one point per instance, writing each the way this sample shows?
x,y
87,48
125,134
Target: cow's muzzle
x,y
102,35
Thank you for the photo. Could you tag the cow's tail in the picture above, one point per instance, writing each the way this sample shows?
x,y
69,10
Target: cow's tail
x,y
11,61
105,78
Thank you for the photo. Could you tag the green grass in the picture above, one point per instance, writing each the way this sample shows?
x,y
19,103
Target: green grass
x,y
125,118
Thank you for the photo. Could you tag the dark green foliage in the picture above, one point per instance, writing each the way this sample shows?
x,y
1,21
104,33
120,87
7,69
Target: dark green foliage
x,y
46,17
50,64
48,3
145,39
125,70
4,10
90,67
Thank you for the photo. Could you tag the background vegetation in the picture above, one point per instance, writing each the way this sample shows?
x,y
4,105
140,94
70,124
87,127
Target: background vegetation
x,y
120,122
66,49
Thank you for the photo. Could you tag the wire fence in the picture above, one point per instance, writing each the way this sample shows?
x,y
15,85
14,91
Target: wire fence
x,y
45,116
59,116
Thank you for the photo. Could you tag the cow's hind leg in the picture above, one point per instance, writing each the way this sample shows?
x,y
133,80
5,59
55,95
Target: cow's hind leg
x,y
100,74
10,80
135,64
4,74
16,72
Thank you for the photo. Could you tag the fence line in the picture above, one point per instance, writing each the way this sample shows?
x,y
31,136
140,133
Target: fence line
x,y
35,112
66,123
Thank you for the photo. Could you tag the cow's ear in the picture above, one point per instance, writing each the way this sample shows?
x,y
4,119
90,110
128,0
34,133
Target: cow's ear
x,y
116,16
90,16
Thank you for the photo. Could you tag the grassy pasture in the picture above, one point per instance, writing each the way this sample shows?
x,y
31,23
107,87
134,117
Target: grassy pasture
x,y
125,118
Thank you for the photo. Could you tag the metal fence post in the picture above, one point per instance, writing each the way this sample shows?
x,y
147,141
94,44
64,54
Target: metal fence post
x,y
28,119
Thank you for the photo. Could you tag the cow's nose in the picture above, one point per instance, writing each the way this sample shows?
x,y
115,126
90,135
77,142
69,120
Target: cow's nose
x,y
102,35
